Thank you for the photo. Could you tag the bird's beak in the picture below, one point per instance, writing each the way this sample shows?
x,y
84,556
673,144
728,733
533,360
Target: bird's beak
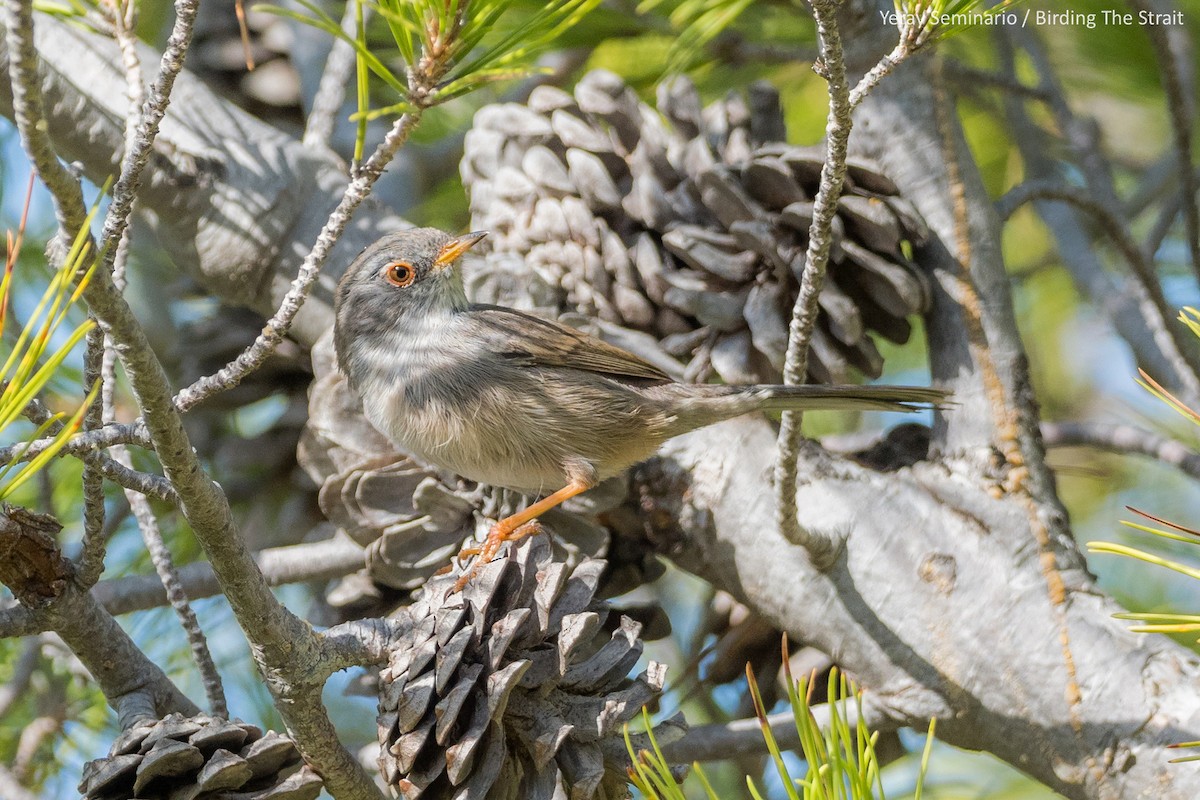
x,y
454,248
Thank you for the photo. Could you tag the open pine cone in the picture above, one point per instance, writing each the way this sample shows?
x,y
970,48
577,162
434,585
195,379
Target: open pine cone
x,y
199,758
515,688
686,223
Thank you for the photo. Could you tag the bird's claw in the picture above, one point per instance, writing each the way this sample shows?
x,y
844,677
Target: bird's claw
x,y
487,552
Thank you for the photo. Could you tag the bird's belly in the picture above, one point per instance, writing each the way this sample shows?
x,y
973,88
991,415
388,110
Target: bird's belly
x,y
468,444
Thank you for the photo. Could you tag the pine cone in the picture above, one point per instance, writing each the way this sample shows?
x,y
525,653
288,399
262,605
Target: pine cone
x,y
514,688
199,758
686,223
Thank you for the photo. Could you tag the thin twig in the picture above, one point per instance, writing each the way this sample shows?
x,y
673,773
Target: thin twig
x,y
884,67
1172,339
1080,133
965,76
124,27
277,327
331,92
152,485
1162,224
1123,439
300,563
1181,109
137,151
134,433
91,558
164,565
160,554
822,546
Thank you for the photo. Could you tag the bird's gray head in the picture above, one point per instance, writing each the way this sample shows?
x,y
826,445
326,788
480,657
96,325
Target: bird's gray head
x,y
402,277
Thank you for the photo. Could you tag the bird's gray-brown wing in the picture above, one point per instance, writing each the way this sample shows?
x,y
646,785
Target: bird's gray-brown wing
x,y
542,342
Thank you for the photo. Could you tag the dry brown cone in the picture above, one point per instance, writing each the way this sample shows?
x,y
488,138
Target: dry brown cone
x,y
199,758
514,688
686,223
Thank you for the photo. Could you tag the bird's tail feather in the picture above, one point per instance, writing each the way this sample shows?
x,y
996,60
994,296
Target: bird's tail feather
x,y
695,406
861,398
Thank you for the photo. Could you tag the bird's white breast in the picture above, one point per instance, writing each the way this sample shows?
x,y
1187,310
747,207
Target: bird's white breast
x,y
443,429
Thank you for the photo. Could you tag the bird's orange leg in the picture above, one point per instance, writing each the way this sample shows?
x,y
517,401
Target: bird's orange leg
x,y
514,528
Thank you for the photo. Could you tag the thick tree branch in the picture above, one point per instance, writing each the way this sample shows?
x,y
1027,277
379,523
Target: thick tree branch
x,y
930,550
936,600
300,563
52,600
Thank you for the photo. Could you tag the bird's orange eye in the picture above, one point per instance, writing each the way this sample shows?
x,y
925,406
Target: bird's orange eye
x,y
399,273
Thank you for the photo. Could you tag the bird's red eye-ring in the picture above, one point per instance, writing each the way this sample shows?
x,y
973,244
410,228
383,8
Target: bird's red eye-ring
x,y
399,273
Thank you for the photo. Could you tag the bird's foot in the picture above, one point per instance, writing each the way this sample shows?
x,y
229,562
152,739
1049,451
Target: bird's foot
x,y
485,553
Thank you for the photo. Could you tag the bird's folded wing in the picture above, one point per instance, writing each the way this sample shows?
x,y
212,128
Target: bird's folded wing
x,y
542,342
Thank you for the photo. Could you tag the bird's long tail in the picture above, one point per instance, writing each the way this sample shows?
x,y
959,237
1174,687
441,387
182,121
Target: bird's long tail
x,y
862,398
697,406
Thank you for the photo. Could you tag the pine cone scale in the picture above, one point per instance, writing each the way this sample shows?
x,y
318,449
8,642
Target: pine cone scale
x,y
199,758
536,684
650,181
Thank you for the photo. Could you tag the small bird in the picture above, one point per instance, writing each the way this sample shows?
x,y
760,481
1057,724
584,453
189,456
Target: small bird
x,y
514,400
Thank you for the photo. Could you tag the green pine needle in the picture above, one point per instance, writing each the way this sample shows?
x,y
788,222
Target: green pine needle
x,y
841,761
463,44
29,366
